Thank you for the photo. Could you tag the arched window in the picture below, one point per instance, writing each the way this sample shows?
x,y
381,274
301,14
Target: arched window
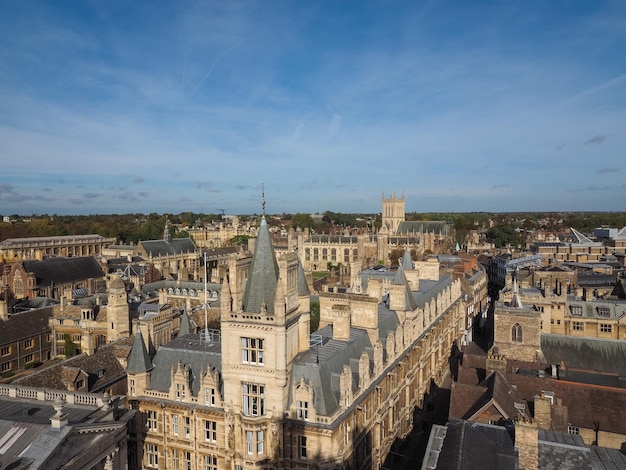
x,y
516,333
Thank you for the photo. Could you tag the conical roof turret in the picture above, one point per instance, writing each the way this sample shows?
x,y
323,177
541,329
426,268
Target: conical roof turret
x,y
407,262
139,359
185,325
303,285
260,289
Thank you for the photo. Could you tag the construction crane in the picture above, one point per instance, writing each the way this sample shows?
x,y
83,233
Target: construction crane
x,y
222,211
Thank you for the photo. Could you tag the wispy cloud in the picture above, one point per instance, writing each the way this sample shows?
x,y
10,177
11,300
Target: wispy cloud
x,y
320,107
596,139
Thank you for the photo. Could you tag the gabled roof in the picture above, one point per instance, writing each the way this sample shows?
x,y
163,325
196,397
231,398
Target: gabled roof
x,y
439,227
260,289
199,356
469,402
161,248
102,369
587,354
25,324
619,291
62,270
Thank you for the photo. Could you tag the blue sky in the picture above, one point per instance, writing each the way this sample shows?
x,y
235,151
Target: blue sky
x,y
116,107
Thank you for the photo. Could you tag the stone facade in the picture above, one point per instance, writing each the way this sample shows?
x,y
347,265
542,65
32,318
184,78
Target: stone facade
x,y
517,332
267,394
39,248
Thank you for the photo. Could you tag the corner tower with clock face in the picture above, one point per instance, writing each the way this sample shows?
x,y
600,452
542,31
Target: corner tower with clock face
x,y
265,320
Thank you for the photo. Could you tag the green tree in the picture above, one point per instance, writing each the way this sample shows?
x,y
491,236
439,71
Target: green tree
x,y
315,316
239,240
70,347
302,221
502,235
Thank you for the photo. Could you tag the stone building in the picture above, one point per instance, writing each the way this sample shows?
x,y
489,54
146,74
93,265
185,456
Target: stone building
x,y
316,251
517,330
93,321
268,394
173,257
218,234
53,278
25,339
63,246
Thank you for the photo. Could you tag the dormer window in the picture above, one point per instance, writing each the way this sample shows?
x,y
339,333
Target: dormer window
x,y
302,410
576,310
180,392
604,312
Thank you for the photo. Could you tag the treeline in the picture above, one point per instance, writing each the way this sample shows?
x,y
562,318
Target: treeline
x,y
126,228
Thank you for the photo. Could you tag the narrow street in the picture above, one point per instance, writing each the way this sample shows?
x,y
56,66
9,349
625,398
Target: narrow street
x,y
408,454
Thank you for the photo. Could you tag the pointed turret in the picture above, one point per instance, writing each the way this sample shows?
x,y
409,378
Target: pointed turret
x,y
166,232
138,361
516,301
303,285
185,325
261,285
407,262
401,297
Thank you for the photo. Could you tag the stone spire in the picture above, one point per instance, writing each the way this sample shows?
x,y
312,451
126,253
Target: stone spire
x,y
260,289
516,301
303,285
407,262
185,325
138,360
166,232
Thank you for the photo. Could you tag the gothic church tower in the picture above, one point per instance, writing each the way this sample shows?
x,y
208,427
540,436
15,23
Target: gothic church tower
x,y
393,213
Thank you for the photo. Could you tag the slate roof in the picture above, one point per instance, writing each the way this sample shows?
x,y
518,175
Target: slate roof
x,y
323,364
25,325
63,270
589,354
603,458
562,451
192,352
417,226
161,248
469,446
468,402
105,359
619,291
260,288
94,238
585,403
138,360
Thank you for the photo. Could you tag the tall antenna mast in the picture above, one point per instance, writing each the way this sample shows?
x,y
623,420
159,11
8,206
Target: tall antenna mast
x,y
263,198
206,303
